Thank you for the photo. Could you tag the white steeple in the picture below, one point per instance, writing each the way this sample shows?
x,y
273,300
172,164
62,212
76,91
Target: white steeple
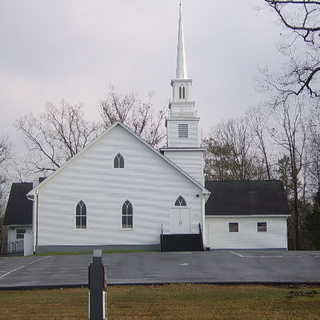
x,y
182,123
181,72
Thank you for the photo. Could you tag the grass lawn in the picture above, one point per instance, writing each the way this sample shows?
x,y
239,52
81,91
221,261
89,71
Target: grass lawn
x,y
168,302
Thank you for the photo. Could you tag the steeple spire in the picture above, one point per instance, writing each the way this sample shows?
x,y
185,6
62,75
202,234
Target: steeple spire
x,y
181,72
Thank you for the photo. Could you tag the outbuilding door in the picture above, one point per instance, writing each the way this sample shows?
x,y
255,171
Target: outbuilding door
x,y
180,221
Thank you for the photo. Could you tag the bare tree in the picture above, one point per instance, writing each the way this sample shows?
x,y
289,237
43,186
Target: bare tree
x,y
56,135
258,122
302,19
134,113
314,148
4,157
230,154
4,149
291,136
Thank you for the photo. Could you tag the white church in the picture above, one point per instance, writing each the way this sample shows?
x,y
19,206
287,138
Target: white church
x,y
119,192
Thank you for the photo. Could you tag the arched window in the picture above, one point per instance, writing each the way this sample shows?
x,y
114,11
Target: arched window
x,y
127,215
182,92
81,215
118,161
180,202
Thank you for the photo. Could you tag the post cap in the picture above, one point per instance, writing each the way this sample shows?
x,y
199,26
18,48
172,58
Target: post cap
x,y
97,253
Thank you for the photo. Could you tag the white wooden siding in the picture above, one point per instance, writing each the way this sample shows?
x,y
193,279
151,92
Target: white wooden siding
x,y
190,161
173,134
11,235
147,181
219,237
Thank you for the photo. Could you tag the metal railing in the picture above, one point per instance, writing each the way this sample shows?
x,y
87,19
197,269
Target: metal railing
x,y
15,247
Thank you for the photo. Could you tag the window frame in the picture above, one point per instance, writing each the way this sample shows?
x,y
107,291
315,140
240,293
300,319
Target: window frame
x,y
182,92
128,215
183,127
180,202
21,234
230,224
82,215
265,224
118,161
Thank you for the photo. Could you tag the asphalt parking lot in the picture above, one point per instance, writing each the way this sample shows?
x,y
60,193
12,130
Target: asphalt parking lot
x,y
229,266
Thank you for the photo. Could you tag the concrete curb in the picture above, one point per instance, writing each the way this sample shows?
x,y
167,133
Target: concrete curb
x,y
161,283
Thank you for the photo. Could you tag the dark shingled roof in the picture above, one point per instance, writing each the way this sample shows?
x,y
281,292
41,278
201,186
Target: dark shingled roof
x,y
19,208
246,198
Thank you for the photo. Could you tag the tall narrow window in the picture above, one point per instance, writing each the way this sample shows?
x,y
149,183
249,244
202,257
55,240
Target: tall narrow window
x,y
118,161
127,215
81,215
183,130
182,92
180,202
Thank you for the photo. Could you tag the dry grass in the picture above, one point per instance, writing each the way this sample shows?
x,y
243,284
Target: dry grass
x,y
168,302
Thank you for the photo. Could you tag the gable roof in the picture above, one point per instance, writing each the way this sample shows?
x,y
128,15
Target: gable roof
x,y
246,198
171,163
19,208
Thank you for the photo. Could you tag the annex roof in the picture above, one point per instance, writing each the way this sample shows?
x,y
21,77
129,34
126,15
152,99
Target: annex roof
x,y
19,208
171,163
246,198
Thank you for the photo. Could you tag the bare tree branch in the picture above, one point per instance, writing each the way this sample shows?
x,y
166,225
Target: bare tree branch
x,y
291,136
302,18
230,155
137,115
56,135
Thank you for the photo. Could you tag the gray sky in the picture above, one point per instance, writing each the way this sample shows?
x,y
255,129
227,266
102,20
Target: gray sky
x,y
76,49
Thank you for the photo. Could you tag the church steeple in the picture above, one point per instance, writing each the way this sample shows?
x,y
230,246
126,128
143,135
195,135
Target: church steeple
x,y
181,72
183,139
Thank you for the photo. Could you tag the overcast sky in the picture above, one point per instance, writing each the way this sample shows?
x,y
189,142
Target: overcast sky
x,y
76,49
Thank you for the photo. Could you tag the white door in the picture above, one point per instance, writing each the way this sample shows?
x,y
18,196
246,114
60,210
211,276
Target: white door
x,y
180,221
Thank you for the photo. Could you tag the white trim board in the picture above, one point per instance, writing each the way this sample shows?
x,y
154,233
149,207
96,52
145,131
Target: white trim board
x,y
249,216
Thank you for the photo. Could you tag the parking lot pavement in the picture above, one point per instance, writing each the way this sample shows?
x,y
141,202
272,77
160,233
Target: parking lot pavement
x,y
227,266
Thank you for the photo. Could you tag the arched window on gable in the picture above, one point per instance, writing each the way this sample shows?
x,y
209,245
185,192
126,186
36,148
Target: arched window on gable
x,y
118,161
81,215
127,215
180,202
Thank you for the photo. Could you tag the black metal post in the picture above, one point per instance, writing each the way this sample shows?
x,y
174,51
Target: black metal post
x,y
96,281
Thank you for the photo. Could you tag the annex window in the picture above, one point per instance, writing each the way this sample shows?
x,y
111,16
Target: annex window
x,y
127,215
20,233
180,202
261,227
81,215
118,161
183,130
233,227
182,92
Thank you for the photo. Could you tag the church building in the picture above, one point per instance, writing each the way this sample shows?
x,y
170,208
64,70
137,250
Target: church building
x,y
121,193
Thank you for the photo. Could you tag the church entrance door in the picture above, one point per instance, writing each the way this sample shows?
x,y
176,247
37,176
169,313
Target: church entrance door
x,y
180,221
